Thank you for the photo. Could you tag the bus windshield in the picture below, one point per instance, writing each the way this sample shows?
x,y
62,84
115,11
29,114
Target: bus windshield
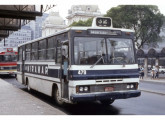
x,y
89,51
8,58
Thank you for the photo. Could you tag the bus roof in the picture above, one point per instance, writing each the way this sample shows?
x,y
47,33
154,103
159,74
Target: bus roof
x,y
101,28
78,28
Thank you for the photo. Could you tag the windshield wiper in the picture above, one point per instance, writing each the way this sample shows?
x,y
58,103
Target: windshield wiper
x,y
118,59
97,61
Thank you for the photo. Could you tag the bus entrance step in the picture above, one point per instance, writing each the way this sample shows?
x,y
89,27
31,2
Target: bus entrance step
x,y
65,100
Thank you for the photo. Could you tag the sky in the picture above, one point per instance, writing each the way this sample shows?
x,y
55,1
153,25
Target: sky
x,y
62,6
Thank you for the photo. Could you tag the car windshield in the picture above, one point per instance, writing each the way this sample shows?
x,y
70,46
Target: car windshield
x,y
91,51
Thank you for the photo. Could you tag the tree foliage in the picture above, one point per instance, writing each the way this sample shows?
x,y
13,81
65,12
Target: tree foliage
x,y
146,20
82,23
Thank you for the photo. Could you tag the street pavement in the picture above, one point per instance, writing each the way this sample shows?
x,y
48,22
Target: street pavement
x,y
14,101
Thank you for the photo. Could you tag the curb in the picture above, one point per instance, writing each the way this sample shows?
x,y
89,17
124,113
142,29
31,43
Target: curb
x,y
155,92
153,81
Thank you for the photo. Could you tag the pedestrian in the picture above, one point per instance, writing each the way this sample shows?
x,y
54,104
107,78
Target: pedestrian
x,y
141,72
157,72
152,74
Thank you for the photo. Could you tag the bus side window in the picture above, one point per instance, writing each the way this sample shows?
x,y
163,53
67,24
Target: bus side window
x,y
20,54
42,49
58,51
0,58
51,51
27,50
34,52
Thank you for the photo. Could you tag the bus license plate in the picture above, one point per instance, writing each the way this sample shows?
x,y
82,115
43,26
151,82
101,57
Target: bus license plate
x,y
107,89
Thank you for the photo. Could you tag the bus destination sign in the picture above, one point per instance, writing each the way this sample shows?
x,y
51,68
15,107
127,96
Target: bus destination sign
x,y
103,22
104,32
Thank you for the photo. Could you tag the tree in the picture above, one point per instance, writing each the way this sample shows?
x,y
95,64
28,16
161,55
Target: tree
x,y
82,23
146,20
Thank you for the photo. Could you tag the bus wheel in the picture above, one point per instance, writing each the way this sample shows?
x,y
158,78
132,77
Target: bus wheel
x,y
28,86
106,102
57,97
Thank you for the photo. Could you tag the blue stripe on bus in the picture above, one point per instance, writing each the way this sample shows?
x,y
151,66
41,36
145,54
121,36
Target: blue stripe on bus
x,y
104,74
91,74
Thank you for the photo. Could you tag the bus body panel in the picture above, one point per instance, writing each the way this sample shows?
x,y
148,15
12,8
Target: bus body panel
x,y
83,77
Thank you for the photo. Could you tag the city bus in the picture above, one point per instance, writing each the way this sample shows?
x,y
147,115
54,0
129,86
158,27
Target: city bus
x,y
81,64
8,62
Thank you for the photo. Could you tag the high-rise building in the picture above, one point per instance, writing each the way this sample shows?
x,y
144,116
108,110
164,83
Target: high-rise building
x,y
28,32
18,37
36,26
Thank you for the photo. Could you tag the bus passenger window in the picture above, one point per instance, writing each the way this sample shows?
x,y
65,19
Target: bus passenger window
x,y
51,49
20,54
28,50
42,50
34,53
58,52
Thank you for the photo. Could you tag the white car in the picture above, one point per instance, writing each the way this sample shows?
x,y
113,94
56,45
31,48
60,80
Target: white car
x,y
162,70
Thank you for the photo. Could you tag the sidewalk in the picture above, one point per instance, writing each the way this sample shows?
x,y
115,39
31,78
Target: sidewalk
x,y
15,101
156,86
157,80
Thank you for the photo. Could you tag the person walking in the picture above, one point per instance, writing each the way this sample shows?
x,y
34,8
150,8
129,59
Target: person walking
x,y
152,74
141,72
157,72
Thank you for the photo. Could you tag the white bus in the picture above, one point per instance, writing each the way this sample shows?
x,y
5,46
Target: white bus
x,y
94,63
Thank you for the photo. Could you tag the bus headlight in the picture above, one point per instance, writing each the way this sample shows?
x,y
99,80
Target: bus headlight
x,y
85,88
131,86
82,89
128,86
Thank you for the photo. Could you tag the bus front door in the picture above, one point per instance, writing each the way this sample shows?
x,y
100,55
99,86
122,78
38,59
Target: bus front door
x,y
64,68
23,65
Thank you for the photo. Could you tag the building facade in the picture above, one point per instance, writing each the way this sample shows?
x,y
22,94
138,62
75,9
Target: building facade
x,y
52,24
82,12
36,26
28,32
21,36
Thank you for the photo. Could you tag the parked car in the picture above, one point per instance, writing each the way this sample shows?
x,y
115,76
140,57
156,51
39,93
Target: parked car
x,y
162,69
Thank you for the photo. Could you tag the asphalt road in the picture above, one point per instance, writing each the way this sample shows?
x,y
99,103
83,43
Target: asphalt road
x,y
147,104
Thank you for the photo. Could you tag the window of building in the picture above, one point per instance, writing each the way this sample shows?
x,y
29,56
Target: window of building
x,y
88,9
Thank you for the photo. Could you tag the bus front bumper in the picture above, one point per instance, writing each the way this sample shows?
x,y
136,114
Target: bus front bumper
x,y
105,96
8,72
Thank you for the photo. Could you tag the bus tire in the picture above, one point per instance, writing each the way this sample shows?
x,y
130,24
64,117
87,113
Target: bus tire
x,y
56,96
106,102
28,86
